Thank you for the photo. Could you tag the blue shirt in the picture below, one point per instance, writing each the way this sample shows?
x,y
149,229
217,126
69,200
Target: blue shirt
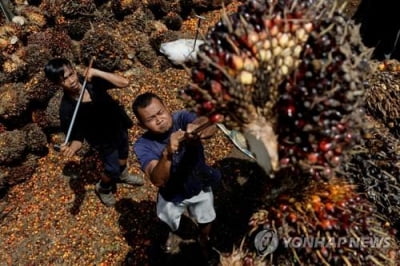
x,y
189,172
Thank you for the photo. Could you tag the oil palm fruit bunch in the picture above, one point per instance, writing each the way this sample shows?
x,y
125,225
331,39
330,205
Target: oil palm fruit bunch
x,y
58,43
76,28
39,90
10,34
11,48
14,69
36,139
287,72
13,146
327,223
374,166
383,95
122,8
13,102
47,117
51,7
35,57
77,8
108,50
34,15
41,47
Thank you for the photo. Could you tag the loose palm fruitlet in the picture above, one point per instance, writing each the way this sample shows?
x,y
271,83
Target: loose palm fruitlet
x,y
327,223
293,68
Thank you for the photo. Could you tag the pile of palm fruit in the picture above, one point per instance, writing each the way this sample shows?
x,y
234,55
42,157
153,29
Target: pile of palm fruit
x,y
374,163
292,73
119,33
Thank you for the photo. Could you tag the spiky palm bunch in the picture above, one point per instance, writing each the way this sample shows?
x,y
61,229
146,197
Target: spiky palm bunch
x,y
288,72
333,225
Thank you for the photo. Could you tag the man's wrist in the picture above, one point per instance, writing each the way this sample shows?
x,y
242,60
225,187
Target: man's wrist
x,y
166,154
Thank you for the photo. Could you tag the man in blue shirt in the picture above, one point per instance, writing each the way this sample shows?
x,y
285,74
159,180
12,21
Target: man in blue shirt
x,y
173,158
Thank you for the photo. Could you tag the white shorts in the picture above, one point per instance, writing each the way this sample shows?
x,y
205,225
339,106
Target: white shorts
x,y
200,207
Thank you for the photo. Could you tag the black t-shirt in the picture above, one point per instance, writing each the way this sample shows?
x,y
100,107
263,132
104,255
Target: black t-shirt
x,y
100,121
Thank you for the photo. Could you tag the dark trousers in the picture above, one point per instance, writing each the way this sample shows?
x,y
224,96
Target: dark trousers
x,y
111,157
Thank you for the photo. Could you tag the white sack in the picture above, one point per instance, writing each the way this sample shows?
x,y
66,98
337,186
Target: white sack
x,y
181,51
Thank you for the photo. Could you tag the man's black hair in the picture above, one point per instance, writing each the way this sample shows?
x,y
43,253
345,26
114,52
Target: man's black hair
x,y
54,69
142,101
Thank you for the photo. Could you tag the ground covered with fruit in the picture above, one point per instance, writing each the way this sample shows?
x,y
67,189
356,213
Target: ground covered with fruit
x,y
49,213
53,215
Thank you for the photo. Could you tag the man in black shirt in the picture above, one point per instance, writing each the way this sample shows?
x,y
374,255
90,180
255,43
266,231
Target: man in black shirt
x,y
100,120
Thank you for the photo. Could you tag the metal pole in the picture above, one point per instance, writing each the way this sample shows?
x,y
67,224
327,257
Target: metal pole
x,y
5,7
71,125
197,31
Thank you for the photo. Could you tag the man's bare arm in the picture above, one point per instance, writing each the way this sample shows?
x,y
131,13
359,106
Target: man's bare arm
x,y
205,133
71,149
159,170
116,80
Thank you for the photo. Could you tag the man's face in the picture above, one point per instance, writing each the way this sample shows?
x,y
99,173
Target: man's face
x,y
155,117
70,81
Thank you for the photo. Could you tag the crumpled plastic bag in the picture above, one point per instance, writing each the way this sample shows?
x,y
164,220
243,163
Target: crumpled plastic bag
x,y
181,51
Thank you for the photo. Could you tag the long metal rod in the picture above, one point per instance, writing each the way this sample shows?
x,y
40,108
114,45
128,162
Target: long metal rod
x,y
197,31
82,92
203,126
6,11
197,130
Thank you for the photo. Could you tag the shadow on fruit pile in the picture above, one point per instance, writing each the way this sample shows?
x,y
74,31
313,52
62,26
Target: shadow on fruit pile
x,y
236,197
